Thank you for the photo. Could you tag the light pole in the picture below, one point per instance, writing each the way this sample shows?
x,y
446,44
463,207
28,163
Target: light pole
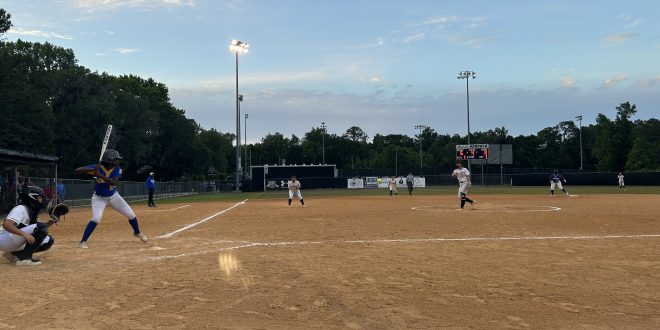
x,y
245,143
323,128
238,47
579,118
421,128
466,75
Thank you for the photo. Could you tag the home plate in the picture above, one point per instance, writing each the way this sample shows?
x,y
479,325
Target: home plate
x,y
573,195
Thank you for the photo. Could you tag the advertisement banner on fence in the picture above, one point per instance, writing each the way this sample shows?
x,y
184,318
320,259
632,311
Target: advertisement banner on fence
x,y
383,182
355,183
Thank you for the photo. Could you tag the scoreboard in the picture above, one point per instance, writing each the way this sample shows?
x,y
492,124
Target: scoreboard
x,y
471,151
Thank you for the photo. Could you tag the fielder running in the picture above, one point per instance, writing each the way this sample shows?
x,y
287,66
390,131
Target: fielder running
x,y
294,189
464,183
556,179
106,174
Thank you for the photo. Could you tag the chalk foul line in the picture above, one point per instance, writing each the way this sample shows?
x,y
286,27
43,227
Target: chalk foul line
x,y
176,208
244,244
201,221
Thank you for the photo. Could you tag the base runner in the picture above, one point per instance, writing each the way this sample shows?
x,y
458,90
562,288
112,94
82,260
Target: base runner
x,y
556,179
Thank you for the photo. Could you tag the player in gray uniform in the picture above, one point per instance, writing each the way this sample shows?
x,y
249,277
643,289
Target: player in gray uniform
x,y
556,179
622,185
464,183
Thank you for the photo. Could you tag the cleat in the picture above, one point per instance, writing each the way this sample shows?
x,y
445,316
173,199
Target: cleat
x,y
83,245
28,262
142,237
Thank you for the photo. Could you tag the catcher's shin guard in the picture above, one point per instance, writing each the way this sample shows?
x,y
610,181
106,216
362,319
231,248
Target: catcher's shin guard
x,y
47,245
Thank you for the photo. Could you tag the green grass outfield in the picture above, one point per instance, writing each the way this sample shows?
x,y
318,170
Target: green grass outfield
x,y
439,190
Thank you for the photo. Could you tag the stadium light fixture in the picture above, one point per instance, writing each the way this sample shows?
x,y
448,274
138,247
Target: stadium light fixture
x,y
467,75
323,127
579,119
421,128
238,47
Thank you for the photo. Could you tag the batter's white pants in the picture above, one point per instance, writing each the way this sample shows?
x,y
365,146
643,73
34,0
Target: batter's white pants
x,y
115,201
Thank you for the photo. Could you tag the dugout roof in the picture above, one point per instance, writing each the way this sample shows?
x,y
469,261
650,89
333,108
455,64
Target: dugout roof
x,y
21,157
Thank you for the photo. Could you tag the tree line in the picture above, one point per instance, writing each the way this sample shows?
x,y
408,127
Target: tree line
x,y
52,105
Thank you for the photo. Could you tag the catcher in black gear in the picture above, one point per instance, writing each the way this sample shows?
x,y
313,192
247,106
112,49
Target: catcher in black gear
x,y
22,233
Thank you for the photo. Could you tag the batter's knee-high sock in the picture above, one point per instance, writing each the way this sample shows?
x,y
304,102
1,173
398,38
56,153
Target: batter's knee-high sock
x,y
564,190
134,224
289,201
390,192
552,191
88,230
302,201
468,200
462,201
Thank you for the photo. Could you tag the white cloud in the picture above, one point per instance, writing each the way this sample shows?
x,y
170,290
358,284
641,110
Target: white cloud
x,y
374,80
568,82
614,81
93,5
619,38
39,33
647,82
634,23
451,29
127,50
414,37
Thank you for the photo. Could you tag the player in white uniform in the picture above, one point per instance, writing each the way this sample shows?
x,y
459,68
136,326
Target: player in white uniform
x,y
464,183
294,189
393,187
22,234
622,185
556,179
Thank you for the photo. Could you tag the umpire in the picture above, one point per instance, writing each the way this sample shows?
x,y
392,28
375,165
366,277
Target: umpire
x,y
410,180
150,184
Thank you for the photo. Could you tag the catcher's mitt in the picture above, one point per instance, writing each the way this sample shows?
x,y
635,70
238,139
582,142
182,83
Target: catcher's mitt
x,y
58,211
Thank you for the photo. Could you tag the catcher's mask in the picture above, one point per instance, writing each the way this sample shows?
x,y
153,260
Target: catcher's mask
x,y
109,155
34,198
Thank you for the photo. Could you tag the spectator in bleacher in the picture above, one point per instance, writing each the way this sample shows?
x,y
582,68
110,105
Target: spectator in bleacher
x,y
60,191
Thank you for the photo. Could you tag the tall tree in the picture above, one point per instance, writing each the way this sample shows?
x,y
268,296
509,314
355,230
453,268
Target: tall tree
x,y
355,133
5,21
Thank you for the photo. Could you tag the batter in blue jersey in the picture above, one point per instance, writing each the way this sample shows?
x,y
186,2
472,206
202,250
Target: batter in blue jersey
x,y
106,174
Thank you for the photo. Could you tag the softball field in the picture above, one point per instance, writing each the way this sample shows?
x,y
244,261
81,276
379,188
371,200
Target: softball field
x,y
352,260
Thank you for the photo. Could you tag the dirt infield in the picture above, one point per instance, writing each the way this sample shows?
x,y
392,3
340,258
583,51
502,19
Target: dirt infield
x,y
516,261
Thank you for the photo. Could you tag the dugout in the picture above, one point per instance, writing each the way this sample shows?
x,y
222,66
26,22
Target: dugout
x,y
310,176
17,169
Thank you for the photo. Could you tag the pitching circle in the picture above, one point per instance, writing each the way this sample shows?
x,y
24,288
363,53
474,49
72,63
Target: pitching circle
x,y
488,208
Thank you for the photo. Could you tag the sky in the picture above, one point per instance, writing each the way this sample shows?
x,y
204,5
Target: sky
x,y
382,65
